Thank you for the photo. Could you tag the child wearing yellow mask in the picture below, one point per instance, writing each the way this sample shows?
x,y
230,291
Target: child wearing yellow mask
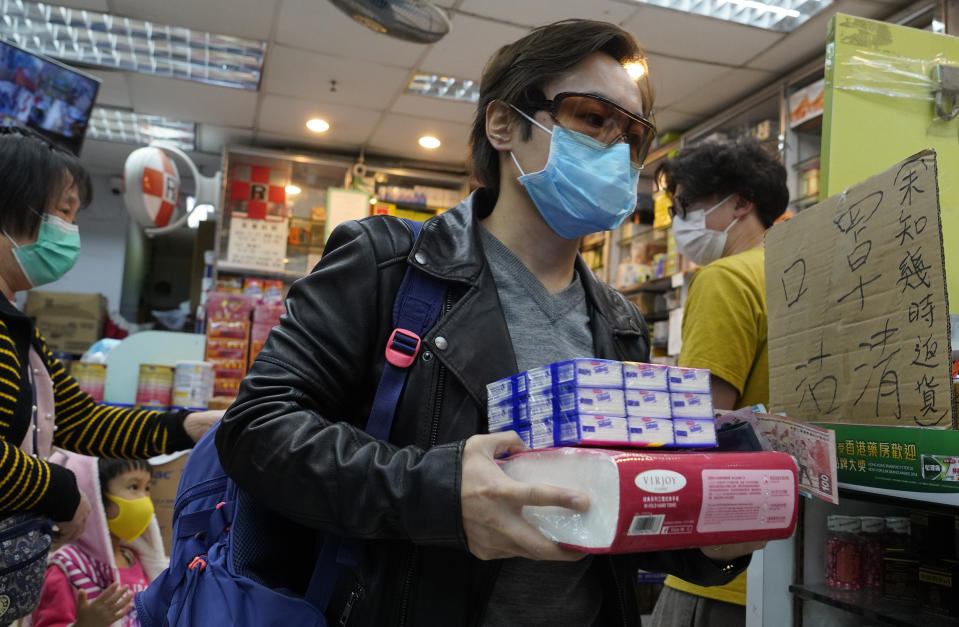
x,y
91,582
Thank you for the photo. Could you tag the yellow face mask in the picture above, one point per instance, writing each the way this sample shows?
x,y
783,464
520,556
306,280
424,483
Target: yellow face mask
x,y
133,519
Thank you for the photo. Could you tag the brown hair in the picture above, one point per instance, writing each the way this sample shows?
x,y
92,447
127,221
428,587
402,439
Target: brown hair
x,y
517,73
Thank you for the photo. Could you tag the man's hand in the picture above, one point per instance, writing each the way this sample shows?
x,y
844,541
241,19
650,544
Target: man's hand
x,y
198,423
70,530
728,552
112,605
492,504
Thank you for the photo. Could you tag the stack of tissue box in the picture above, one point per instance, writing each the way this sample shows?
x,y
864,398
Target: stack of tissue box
x,y
603,402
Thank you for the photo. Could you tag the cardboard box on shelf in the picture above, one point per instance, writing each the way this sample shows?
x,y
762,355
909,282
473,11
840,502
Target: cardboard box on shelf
x,y
163,484
68,322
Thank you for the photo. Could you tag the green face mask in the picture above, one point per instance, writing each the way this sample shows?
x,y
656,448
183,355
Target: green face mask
x,y
52,255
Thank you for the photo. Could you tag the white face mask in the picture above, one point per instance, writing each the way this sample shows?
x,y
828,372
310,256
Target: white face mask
x,y
702,245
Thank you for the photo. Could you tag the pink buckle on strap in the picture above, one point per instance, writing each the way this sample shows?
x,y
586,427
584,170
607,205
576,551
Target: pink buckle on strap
x,y
400,348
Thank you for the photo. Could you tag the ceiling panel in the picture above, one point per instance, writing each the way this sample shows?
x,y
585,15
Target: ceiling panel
x,y
319,26
192,102
471,42
674,33
114,89
240,18
88,5
536,13
305,74
672,78
349,125
437,108
727,87
398,135
211,138
672,120
103,157
809,40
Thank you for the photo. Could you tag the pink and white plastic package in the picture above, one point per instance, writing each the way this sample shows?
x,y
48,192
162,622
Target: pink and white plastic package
x,y
646,501
638,376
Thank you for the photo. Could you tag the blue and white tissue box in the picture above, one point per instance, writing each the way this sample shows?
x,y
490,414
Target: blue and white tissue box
x,y
687,405
508,414
596,401
650,431
695,380
637,376
590,373
694,433
648,404
499,391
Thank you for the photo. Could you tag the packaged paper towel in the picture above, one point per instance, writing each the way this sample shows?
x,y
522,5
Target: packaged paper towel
x,y
645,501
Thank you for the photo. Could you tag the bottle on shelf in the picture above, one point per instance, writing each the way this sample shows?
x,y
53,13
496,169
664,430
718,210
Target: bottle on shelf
x,y
844,551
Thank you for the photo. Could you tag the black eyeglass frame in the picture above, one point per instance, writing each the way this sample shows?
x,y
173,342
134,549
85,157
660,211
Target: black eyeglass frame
x,y
552,107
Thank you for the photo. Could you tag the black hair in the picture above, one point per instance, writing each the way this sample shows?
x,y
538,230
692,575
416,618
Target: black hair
x,y
108,469
31,175
724,168
518,72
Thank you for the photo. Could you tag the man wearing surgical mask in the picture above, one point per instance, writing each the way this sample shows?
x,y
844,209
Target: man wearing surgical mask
x,y
725,196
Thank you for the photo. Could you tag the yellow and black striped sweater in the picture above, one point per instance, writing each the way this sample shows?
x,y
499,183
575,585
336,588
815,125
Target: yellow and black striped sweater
x,y
83,426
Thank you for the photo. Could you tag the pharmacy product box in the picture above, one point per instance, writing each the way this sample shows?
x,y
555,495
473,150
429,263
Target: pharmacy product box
x,y
165,477
574,429
587,373
650,432
508,414
638,376
694,433
645,501
695,380
70,323
939,587
648,404
499,391
688,405
597,401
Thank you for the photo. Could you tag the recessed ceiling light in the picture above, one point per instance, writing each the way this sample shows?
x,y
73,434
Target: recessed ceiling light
x,y
446,87
121,43
778,15
293,190
635,69
318,126
429,142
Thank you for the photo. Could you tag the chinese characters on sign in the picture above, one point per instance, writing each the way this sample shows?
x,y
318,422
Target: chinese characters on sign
x,y
857,307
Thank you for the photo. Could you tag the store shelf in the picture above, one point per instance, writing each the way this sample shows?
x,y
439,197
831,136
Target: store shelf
x,y
656,316
656,285
223,266
944,502
805,164
812,125
870,604
805,201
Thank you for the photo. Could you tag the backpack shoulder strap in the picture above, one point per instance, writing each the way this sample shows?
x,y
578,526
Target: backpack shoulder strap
x,y
415,308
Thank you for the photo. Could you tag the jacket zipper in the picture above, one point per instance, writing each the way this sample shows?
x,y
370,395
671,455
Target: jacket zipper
x,y
434,433
355,596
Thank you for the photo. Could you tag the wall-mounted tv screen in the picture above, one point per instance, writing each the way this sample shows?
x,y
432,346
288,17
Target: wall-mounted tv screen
x,y
45,95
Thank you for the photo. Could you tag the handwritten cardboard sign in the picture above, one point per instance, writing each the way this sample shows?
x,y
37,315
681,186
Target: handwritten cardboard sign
x,y
858,311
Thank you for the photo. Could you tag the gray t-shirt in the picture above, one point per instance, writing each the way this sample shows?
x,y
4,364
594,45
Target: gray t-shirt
x,y
544,328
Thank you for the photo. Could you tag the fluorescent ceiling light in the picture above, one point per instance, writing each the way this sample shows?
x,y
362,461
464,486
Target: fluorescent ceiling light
x,y
445,87
104,40
779,15
121,125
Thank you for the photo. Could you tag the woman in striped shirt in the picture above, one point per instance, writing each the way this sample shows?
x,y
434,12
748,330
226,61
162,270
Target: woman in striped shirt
x,y
41,191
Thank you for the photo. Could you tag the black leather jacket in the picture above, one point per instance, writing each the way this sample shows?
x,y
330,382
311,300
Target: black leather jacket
x,y
294,438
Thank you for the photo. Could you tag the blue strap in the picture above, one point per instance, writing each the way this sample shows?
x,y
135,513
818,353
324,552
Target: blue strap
x,y
415,309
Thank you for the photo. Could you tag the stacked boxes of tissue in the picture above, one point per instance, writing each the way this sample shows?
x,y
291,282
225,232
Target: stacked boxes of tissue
x,y
605,403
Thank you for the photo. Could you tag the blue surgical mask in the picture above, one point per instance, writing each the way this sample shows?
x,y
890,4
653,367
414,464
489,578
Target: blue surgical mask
x,y
52,255
585,187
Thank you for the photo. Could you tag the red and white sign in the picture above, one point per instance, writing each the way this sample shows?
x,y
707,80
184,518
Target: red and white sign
x,y
151,187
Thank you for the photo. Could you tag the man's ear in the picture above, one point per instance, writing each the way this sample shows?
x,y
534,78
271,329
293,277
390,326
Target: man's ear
x,y
499,126
743,206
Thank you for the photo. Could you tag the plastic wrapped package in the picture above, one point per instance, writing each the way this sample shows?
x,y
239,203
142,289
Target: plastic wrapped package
x,y
648,404
643,501
637,376
587,373
597,401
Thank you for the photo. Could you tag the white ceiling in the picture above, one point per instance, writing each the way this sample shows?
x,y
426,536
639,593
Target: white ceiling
x,y
697,65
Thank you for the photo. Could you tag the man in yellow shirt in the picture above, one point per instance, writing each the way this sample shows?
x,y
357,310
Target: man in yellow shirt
x,y
725,196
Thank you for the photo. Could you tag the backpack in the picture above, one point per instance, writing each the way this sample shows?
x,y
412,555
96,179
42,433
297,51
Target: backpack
x,y
212,577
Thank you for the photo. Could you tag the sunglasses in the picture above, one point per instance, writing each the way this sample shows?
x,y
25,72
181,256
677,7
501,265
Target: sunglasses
x,y
603,120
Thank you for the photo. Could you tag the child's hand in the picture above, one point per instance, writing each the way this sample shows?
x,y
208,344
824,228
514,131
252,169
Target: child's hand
x,y
112,605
